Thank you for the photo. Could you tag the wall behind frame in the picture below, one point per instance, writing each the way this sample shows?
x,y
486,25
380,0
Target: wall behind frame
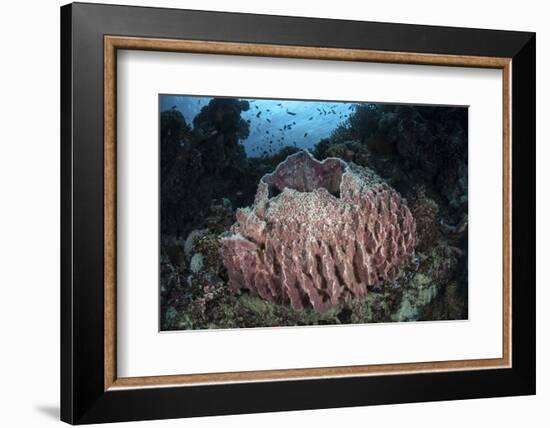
x,y
29,226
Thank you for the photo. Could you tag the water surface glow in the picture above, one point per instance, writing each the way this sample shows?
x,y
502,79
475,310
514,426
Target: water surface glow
x,y
274,123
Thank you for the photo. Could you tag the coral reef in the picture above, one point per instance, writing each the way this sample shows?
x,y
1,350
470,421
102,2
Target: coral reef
x,y
407,145
419,152
424,211
318,233
348,150
203,164
425,289
221,215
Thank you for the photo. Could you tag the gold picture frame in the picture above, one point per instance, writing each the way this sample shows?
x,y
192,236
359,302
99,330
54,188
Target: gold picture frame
x,y
114,43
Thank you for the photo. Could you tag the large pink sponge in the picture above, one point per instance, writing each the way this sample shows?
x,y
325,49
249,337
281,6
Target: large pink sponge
x,y
318,233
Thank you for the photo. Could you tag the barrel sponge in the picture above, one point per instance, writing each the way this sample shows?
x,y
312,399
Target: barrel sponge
x,y
318,233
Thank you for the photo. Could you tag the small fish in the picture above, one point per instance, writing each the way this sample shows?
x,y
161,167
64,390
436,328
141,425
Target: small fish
x,y
294,123
291,113
279,104
269,120
267,132
174,107
259,113
305,135
310,118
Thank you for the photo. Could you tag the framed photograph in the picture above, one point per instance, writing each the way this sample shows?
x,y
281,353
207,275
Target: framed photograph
x,y
266,213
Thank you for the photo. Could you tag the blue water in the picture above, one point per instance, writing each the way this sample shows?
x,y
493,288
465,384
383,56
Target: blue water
x,y
274,123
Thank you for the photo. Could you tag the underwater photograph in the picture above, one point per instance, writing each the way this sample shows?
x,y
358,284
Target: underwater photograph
x,y
284,212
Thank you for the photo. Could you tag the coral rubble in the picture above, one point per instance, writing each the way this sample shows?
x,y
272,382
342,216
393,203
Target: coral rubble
x,y
318,233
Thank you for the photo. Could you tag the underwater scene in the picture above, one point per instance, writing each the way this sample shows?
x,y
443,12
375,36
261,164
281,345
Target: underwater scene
x,y
280,212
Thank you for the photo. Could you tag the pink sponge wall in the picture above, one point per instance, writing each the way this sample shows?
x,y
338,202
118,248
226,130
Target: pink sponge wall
x,y
318,233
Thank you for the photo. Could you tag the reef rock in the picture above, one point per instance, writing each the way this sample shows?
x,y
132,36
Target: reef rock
x,y
318,233
424,211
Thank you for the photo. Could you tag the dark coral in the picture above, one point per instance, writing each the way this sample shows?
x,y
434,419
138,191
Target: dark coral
x,y
408,144
202,164
424,211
